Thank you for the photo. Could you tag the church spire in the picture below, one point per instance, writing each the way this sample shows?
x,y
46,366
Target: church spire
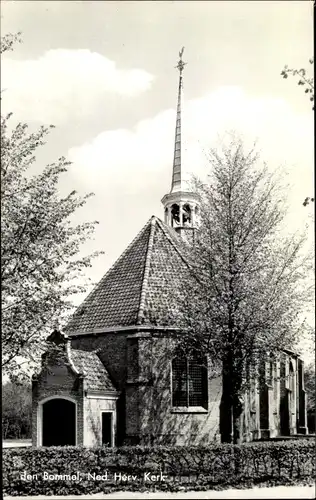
x,y
176,184
181,206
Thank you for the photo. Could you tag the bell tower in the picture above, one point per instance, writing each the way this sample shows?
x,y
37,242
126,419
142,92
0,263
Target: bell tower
x,y
181,206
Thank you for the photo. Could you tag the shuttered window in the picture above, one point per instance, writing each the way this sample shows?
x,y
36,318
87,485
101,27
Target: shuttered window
x,y
189,382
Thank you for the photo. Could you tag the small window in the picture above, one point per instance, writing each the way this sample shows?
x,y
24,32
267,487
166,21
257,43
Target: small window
x,y
107,424
189,382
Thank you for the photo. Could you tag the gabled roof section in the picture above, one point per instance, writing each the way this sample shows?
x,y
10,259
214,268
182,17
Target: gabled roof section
x,y
95,374
135,289
115,299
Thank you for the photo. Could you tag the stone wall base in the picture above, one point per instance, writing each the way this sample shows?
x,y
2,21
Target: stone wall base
x,y
302,430
256,435
268,433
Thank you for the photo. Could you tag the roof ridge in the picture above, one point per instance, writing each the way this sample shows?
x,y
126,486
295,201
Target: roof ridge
x,y
114,265
141,307
160,223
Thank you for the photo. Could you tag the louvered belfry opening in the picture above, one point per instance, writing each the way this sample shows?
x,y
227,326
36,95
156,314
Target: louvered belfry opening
x,y
175,215
187,215
189,382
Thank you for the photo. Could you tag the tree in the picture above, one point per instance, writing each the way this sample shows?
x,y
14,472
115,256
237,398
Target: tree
x,y
310,386
247,285
308,83
8,41
303,79
16,411
41,265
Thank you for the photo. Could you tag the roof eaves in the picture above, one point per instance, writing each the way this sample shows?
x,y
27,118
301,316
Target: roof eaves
x,y
141,307
119,329
101,393
291,353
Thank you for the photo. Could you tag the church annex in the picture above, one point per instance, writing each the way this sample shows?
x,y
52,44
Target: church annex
x,y
107,379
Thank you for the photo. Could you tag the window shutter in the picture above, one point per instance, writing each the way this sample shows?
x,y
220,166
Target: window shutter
x,y
179,382
197,382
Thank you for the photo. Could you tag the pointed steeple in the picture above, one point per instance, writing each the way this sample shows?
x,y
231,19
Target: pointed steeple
x,y
176,184
181,206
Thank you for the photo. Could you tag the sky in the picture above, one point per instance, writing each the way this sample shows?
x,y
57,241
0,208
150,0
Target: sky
x,y
104,74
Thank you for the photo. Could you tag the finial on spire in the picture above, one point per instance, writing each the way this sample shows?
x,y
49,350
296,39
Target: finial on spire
x,y
176,173
180,64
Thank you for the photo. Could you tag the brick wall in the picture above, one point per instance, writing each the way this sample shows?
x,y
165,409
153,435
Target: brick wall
x,y
112,352
149,406
140,368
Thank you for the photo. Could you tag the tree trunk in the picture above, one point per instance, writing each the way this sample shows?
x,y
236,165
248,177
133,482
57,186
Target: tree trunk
x,y
238,419
232,405
226,406
238,402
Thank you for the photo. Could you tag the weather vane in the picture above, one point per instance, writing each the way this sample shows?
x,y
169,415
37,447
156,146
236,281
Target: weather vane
x,y
180,64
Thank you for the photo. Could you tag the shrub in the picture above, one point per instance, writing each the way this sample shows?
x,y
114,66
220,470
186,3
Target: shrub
x,y
194,468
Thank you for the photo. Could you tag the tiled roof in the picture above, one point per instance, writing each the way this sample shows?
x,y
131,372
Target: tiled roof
x,y
135,289
90,365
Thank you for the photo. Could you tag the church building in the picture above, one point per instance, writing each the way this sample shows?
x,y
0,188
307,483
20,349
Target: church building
x,y
107,379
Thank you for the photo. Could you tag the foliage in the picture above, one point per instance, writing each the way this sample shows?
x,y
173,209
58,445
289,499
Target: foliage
x,y
8,41
310,386
183,467
303,79
307,200
249,282
41,266
307,82
16,411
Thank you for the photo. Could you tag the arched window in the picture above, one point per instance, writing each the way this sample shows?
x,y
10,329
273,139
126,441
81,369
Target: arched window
x,y
270,370
189,381
175,215
291,378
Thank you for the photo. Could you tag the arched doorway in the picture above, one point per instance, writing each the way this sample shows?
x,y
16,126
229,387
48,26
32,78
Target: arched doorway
x,y
58,422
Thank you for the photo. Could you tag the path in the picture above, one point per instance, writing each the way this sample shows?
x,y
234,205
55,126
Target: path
x,y
16,443
262,493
